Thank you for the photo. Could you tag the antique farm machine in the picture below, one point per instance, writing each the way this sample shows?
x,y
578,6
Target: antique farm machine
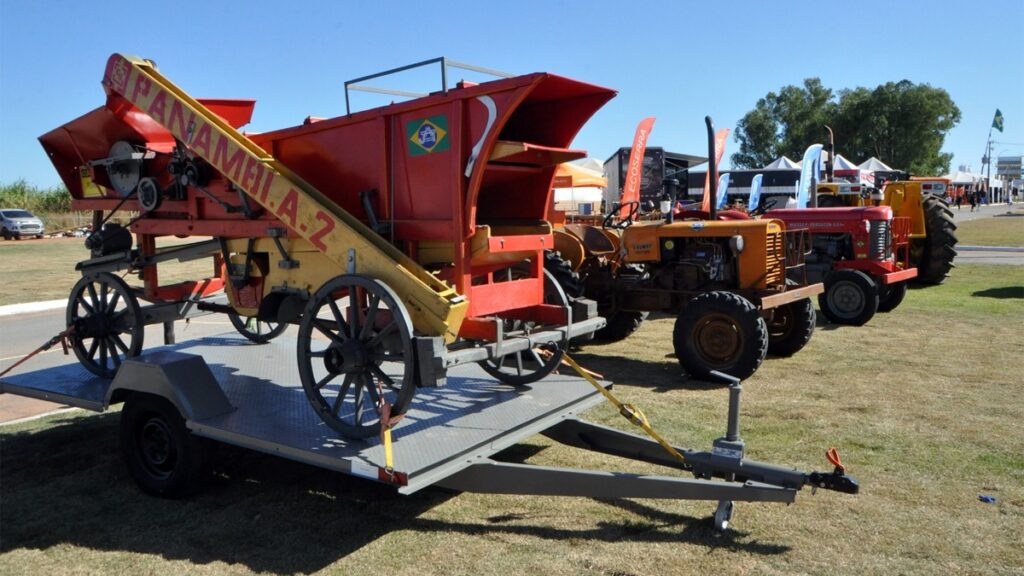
x,y
402,240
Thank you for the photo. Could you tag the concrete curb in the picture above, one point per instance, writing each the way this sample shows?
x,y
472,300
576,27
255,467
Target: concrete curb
x,y
28,307
988,248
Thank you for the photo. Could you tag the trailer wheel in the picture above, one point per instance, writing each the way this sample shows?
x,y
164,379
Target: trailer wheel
x,y
355,353
720,331
256,330
161,454
850,297
530,365
933,255
890,296
791,327
104,313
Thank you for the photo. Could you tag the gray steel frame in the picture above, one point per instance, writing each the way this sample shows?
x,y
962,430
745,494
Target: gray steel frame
x,y
448,437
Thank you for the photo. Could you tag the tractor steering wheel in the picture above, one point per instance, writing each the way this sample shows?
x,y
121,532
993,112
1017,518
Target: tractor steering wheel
x,y
611,222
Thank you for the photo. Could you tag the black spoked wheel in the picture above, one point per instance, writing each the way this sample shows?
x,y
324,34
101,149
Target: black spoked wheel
x,y
107,322
890,296
530,364
850,297
161,454
791,327
720,331
355,354
256,330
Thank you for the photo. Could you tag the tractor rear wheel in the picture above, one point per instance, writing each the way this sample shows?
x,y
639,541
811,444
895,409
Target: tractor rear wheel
x,y
791,327
621,323
890,296
933,255
720,331
850,297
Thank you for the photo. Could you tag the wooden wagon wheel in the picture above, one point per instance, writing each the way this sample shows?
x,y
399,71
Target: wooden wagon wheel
x,y
107,323
355,353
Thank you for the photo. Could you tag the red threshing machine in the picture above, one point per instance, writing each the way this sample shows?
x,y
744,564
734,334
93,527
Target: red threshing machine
x,y
403,240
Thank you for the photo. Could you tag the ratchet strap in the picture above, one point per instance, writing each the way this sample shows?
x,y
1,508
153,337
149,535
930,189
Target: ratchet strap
x,y
628,411
61,338
387,422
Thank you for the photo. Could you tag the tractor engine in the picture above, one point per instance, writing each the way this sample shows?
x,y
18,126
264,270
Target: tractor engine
x,y
827,249
693,264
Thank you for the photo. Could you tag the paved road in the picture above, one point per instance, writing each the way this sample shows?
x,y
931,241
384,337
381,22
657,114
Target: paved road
x,y
23,333
964,213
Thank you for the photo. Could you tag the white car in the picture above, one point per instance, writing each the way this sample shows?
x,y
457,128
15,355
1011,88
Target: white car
x,y
15,223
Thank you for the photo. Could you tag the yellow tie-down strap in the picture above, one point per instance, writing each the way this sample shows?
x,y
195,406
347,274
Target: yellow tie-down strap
x,y
628,411
435,307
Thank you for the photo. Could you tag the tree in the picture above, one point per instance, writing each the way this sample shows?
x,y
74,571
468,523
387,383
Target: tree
x,y
902,123
783,124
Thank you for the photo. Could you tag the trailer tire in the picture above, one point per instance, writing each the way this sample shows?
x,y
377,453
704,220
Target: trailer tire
x,y
791,327
933,255
850,298
720,331
890,296
163,457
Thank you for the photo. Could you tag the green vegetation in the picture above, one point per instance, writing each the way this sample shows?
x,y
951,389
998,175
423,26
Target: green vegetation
x,y
1001,230
902,123
52,205
923,404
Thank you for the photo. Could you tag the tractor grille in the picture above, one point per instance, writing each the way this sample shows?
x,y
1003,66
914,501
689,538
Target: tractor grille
x,y
880,247
775,259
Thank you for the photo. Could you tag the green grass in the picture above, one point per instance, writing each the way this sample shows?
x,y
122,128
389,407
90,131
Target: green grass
x,y
1000,230
924,404
37,270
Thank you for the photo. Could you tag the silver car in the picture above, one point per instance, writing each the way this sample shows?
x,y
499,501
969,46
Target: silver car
x,y
15,223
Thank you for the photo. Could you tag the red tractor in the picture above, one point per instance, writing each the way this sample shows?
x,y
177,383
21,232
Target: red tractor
x,y
862,256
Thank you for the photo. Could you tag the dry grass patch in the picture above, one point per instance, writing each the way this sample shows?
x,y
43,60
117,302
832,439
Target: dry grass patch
x,y
924,404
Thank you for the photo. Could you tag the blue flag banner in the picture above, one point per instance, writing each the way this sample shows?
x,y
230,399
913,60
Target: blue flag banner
x,y
723,191
755,192
809,170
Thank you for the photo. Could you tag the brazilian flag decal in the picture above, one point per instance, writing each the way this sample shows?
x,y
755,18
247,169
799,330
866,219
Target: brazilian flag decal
x,y
427,135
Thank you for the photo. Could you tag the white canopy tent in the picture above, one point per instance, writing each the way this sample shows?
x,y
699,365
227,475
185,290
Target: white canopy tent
x,y
579,186
874,164
782,163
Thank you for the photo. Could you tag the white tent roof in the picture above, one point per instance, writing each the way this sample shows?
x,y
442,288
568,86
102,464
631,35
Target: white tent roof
x,y
782,163
841,163
961,178
579,194
872,164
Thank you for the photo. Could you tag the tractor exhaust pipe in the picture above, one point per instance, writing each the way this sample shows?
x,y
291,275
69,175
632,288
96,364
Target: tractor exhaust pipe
x,y
830,164
712,169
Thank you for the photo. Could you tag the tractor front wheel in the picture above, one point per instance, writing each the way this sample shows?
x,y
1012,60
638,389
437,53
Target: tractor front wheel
x,y
720,331
890,296
791,327
850,297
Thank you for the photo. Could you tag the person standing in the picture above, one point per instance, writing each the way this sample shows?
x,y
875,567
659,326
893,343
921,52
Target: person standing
x,y
959,200
973,199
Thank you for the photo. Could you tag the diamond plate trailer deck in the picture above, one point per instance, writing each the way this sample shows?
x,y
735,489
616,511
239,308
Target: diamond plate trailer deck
x,y
242,394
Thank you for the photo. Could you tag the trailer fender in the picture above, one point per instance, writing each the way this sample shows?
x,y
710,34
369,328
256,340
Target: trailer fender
x,y
183,379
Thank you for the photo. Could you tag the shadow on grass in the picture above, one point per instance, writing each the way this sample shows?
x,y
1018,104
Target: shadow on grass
x,y
624,371
1001,293
65,484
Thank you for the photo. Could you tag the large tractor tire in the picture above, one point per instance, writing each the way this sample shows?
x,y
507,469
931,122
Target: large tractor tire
x,y
850,297
890,296
791,327
622,323
933,255
720,331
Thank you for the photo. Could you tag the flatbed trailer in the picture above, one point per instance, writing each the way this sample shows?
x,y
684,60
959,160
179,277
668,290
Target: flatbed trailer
x,y
230,391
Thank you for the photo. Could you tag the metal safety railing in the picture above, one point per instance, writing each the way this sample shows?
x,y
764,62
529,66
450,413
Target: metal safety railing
x,y
444,64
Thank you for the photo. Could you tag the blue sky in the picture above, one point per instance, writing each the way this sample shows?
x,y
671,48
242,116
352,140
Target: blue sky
x,y
677,61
